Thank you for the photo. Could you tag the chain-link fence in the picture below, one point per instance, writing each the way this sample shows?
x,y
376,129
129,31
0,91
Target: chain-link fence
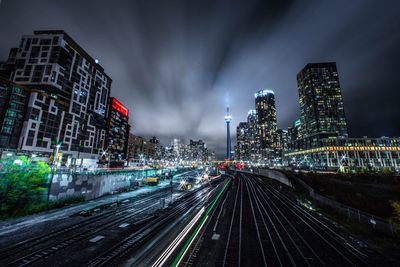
x,y
377,223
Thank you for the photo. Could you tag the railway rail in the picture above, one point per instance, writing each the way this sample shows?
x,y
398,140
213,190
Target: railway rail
x,y
266,226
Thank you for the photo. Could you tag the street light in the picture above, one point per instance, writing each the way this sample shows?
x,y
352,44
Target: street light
x,y
18,162
54,164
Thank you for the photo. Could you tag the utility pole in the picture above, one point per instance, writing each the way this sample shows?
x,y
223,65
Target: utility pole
x,y
171,176
53,167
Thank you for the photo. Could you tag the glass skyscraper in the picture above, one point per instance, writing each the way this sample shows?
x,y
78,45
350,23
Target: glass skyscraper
x,y
321,101
266,120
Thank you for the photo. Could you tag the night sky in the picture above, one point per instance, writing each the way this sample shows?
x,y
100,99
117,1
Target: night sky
x,y
177,64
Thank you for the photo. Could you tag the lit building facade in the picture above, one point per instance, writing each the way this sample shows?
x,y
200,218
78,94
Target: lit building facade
x,y
69,95
294,131
253,145
117,134
321,101
197,151
266,122
13,104
280,147
340,153
159,149
242,142
139,149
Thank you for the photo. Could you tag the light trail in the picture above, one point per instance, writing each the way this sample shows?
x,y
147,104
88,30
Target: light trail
x,y
182,253
167,253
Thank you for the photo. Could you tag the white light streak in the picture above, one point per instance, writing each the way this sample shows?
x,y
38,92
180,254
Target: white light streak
x,y
171,248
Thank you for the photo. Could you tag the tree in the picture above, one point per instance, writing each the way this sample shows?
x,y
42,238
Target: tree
x,y
22,184
396,213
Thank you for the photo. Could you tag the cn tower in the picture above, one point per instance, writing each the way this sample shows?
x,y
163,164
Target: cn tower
x,y
228,119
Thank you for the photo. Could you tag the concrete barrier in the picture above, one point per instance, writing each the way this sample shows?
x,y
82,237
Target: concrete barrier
x,y
275,175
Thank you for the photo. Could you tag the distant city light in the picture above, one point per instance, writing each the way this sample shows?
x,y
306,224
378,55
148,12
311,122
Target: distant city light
x,y
18,162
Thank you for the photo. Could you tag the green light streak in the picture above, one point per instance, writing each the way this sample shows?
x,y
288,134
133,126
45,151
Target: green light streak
x,y
202,221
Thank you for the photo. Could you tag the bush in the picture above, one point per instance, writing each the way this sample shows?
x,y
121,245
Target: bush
x,y
22,184
396,215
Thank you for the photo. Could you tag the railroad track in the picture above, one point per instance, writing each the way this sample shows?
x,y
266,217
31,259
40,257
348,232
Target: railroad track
x,y
285,249
58,245
194,249
50,249
305,233
21,254
145,232
232,253
324,235
29,243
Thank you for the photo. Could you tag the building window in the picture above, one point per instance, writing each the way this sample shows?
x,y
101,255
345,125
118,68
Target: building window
x,y
29,141
6,130
11,113
45,41
8,121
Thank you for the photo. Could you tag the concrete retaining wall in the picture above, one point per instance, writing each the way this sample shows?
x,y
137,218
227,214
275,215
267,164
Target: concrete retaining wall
x,y
276,175
90,186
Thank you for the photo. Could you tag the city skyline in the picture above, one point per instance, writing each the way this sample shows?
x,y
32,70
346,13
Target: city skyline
x,y
199,133
217,66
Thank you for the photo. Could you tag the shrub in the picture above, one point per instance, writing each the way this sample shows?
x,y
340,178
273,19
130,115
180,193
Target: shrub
x,y
22,184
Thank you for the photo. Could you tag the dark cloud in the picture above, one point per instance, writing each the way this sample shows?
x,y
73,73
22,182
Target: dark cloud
x,y
175,63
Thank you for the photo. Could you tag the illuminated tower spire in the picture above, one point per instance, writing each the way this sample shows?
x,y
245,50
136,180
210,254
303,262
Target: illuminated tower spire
x,y
228,119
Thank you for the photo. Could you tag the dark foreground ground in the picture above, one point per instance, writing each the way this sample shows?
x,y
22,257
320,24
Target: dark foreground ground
x,y
238,220
259,224
370,193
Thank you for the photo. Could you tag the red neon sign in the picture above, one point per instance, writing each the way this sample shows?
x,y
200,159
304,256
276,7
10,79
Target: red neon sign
x,y
115,104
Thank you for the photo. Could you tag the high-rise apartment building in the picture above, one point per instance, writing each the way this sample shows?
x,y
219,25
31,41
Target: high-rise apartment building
x,y
242,142
117,134
253,145
13,103
266,121
321,101
69,94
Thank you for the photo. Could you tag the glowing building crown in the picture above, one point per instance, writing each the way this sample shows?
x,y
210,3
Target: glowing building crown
x,y
263,93
252,112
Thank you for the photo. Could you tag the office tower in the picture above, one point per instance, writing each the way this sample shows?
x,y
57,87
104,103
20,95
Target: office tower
x,y
117,134
294,131
197,151
280,147
158,154
69,95
266,121
139,149
242,142
321,101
